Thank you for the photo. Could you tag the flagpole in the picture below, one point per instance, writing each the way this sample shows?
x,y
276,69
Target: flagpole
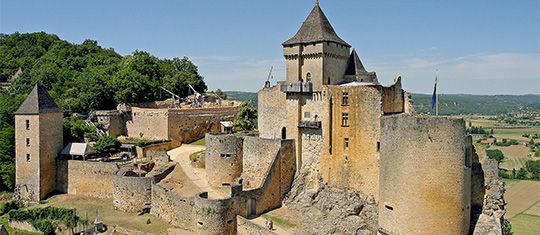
x,y
436,94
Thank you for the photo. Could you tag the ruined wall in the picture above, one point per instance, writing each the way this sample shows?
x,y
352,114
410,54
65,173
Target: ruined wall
x,y
27,174
271,112
172,208
214,216
489,217
148,123
425,173
276,183
132,194
408,103
246,227
188,125
165,146
354,166
393,98
93,179
257,158
182,125
223,158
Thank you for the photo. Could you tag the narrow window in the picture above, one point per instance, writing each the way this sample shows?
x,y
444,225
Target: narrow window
x,y
307,115
346,143
27,124
345,119
378,146
468,160
27,141
345,99
389,207
308,77
27,157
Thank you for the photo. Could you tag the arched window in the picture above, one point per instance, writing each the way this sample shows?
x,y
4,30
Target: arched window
x,y
308,77
283,133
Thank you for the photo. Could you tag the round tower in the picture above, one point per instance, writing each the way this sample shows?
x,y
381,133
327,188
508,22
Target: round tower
x,y
223,159
425,175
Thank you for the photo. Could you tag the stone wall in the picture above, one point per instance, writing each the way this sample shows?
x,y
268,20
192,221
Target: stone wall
x,y
182,125
188,125
258,156
393,98
214,216
132,194
246,227
87,178
425,173
489,217
271,114
148,123
36,149
165,146
350,156
27,174
172,208
223,158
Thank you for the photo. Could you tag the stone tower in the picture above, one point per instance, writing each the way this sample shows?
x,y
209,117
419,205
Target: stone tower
x,y
316,53
38,140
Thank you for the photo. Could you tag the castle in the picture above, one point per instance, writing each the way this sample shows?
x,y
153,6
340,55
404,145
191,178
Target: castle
x,y
331,124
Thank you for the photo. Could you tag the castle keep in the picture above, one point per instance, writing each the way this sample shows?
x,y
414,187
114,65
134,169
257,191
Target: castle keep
x,y
353,133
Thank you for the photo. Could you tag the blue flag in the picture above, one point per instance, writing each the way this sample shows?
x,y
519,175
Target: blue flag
x,y
434,97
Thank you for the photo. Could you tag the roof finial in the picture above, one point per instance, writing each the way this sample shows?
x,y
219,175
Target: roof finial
x,y
316,2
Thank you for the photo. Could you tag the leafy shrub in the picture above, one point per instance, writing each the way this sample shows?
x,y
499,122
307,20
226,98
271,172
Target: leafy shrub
x,y
8,206
106,144
45,219
495,154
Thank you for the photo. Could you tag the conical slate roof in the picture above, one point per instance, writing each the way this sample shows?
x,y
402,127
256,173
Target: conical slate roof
x,y
38,101
316,28
354,65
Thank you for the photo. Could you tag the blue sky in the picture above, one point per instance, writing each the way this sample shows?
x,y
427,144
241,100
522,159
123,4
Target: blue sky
x,y
479,47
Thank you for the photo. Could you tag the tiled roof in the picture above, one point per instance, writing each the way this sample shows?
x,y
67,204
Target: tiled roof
x,y
316,28
38,101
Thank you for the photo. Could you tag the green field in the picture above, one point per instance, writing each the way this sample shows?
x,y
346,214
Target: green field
x,y
524,224
199,142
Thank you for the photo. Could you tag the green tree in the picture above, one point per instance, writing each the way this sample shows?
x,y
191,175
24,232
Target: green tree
x,y
246,118
507,228
495,154
521,174
534,168
106,145
76,130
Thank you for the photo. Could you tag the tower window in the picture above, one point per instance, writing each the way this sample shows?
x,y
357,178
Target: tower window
x,y
378,146
27,124
344,119
346,143
308,77
345,98
27,141
27,157
307,115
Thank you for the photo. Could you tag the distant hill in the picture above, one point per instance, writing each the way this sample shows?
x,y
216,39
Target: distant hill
x,y
451,104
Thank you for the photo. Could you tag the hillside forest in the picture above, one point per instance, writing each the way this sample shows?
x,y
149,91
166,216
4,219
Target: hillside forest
x,y
81,78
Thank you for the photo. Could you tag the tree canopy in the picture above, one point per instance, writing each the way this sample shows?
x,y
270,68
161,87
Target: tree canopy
x,y
81,78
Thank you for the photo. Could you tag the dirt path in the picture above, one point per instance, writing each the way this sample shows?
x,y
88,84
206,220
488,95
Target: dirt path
x,y
521,196
277,229
195,175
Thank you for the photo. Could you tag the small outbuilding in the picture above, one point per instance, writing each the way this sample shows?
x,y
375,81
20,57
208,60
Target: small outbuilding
x,y
226,127
81,150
